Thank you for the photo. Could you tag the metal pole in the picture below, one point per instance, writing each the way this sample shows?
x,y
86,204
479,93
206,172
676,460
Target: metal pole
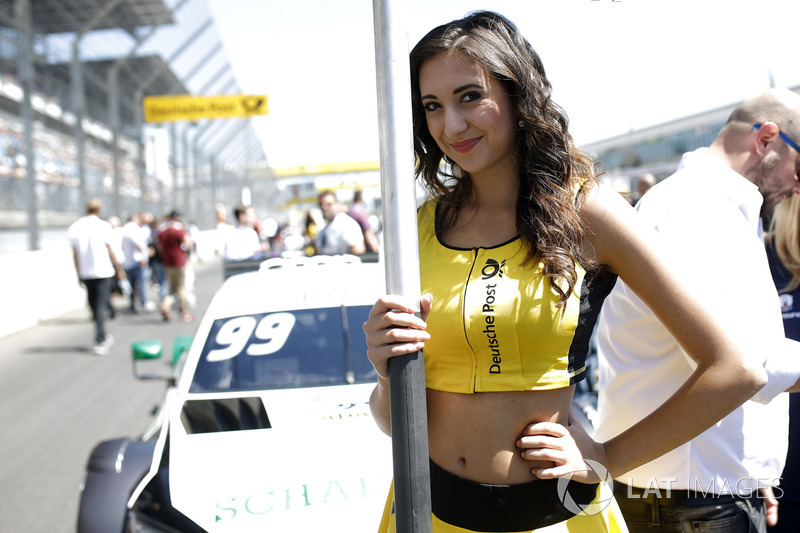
x,y
79,110
406,374
186,173
114,126
26,76
143,181
173,155
213,180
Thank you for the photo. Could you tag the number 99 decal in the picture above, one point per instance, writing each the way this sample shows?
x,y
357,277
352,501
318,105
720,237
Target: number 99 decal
x,y
245,334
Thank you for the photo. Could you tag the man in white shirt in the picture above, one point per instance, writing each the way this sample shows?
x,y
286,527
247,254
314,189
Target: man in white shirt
x,y
708,215
91,240
242,241
341,234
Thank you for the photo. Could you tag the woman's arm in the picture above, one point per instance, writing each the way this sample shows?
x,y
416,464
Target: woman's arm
x,y
392,329
723,379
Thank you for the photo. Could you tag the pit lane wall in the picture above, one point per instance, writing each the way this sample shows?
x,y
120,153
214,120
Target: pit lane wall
x,y
41,285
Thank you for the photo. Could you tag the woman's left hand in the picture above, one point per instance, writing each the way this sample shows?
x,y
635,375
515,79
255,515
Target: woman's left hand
x,y
572,451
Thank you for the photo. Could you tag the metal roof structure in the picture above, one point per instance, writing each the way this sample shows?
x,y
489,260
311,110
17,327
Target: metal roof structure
x,y
67,16
130,77
95,61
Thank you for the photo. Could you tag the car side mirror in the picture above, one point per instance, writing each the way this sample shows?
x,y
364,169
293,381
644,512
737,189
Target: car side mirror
x,y
146,351
180,345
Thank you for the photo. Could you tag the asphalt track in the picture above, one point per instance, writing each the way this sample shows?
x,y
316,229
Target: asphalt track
x,y
58,399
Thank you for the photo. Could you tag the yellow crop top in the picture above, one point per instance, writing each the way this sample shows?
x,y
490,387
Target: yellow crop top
x,y
494,324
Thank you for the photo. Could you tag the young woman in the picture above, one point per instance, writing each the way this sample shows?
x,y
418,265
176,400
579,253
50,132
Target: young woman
x,y
519,245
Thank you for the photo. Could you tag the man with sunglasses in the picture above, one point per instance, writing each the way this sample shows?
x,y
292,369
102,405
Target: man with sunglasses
x,y
709,218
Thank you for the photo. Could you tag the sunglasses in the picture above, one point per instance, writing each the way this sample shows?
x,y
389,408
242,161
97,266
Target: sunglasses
x,y
788,140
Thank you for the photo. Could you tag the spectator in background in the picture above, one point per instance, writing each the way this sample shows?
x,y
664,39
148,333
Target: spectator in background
x,y
312,227
97,265
195,235
708,216
119,287
134,253
643,184
174,245
221,227
146,221
270,235
194,257
341,234
253,220
157,270
358,212
222,216
783,252
242,241
117,234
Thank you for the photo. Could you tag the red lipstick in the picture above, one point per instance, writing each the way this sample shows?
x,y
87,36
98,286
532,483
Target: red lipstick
x,y
465,146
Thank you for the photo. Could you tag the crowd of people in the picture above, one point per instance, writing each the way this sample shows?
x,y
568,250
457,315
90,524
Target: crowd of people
x,y
145,262
331,227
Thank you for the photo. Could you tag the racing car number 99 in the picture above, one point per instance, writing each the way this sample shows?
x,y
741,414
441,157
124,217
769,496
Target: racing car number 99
x,y
254,337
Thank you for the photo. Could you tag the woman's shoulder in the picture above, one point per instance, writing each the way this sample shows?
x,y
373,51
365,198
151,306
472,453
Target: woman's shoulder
x,y
598,199
428,208
430,201
426,219
609,222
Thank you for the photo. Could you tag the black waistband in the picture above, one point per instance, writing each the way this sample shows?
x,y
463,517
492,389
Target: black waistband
x,y
484,507
675,498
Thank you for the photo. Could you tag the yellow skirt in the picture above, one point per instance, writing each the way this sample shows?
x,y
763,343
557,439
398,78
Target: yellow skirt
x,y
607,520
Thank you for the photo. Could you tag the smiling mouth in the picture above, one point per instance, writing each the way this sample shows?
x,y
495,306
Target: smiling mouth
x,y
465,146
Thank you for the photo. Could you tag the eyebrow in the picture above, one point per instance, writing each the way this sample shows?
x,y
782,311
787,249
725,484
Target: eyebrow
x,y
457,90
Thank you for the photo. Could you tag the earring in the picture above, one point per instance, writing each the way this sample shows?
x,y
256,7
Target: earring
x,y
521,124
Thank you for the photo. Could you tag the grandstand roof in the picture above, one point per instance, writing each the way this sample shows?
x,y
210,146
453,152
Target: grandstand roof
x,y
62,16
132,75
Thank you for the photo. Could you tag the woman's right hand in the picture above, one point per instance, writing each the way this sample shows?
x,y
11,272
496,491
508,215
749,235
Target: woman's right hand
x,y
393,329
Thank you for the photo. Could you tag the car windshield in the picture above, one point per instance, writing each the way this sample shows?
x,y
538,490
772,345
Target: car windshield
x,y
288,349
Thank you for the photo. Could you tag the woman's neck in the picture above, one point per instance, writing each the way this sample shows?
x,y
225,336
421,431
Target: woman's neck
x,y
493,193
488,216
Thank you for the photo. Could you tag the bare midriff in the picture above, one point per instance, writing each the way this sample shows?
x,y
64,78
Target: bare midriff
x,y
474,436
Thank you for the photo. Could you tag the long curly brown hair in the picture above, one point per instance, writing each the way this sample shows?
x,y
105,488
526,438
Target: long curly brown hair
x,y
554,174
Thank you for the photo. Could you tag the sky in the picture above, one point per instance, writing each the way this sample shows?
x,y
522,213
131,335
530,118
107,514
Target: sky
x,y
615,65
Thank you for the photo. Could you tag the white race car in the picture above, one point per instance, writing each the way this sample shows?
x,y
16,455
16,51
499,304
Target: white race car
x,y
266,424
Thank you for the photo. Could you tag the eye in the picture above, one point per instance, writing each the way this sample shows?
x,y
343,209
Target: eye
x,y
431,106
470,97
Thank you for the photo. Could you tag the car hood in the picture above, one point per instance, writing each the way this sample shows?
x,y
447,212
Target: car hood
x,y
323,464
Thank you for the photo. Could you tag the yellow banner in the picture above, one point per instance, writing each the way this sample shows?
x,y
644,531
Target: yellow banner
x,y
185,107
326,168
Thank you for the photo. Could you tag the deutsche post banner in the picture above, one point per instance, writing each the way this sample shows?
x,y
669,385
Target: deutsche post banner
x,y
185,107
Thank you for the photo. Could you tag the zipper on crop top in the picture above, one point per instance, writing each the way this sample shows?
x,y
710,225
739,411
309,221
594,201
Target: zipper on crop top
x,y
464,317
